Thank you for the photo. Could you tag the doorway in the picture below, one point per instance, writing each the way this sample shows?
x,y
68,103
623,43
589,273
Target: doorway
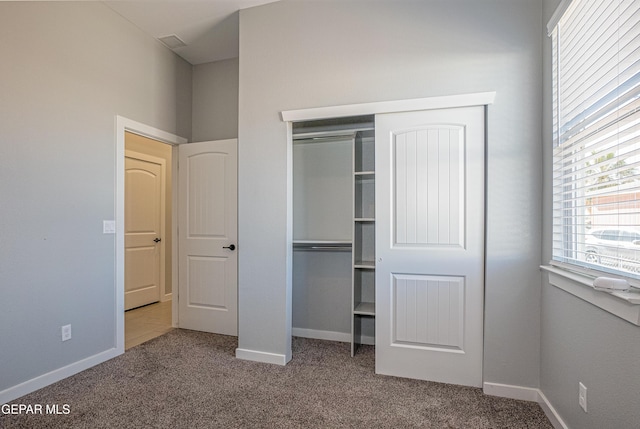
x,y
126,126
222,155
148,238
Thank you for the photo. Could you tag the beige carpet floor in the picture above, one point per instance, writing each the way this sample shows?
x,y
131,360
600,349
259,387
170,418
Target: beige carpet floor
x,y
187,379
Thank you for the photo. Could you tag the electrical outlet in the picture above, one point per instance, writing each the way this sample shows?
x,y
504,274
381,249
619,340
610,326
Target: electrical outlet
x,y
66,332
582,396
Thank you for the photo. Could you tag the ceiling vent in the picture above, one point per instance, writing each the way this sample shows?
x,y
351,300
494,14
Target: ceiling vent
x,y
172,41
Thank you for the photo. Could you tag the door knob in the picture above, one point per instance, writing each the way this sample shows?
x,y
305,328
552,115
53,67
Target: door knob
x,y
230,247
157,240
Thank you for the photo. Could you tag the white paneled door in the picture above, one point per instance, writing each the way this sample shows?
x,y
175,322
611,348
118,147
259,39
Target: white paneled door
x,y
144,223
430,244
207,237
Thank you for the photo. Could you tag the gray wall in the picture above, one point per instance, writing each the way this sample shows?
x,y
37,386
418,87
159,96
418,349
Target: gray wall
x,y
580,342
215,100
67,70
320,53
321,292
322,210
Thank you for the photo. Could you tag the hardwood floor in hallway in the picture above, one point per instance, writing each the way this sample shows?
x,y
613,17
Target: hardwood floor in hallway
x,y
145,323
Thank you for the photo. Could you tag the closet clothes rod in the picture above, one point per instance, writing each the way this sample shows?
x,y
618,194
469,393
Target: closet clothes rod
x,y
311,136
342,247
321,139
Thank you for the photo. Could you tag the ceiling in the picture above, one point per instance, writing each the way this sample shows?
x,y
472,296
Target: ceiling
x,y
209,28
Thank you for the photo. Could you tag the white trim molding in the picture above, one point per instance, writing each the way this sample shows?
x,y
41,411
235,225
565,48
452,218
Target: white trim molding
x,y
56,375
343,337
520,393
530,394
551,412
144,130
443,102
622,304
555,18
264,357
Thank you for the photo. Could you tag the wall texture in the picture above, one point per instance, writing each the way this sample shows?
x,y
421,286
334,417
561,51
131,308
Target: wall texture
x,y
67,70
215,100
297,55
580,342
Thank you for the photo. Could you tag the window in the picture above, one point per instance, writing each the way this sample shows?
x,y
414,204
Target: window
x,y
596,136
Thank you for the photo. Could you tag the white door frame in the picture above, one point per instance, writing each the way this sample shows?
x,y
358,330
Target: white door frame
x,y
122,125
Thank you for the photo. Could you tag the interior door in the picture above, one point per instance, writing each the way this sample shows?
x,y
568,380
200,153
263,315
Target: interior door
x,y
144,209
207,237
430,244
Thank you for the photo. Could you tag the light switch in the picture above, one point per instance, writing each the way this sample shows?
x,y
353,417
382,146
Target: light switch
x,y
108,226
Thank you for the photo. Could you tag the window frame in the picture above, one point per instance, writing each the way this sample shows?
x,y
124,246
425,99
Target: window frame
x,y
576,280
569,261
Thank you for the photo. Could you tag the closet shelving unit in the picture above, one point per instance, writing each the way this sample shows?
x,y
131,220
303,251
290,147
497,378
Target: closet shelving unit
x,y
359,133
363,280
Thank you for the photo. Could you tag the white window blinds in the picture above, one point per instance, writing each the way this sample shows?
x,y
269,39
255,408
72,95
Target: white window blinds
x,y
596,120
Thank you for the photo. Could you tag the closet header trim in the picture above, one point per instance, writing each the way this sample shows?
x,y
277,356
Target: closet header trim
x,y
443,102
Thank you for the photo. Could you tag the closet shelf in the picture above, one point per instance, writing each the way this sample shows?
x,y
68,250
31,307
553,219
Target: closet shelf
x,y
365,309
365,174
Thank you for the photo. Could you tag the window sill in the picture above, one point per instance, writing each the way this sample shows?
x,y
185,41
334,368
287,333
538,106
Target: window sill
x,y
625,305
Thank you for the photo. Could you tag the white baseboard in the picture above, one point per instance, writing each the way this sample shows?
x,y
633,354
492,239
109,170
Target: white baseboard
x,y
321,335
263,357
526,394
166,297
514,392
56,375
329,335
551,412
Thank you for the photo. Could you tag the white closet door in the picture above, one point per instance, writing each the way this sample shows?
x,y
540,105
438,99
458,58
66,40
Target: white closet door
x,y
207,237
430,244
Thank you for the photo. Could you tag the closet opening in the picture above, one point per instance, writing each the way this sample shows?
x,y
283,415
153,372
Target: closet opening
x,y
399,209
334,230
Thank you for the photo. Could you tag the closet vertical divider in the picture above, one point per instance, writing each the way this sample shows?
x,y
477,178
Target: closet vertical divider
x,y
363,282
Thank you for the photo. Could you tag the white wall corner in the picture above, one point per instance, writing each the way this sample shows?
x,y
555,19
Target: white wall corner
x,y
531,394
264,357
